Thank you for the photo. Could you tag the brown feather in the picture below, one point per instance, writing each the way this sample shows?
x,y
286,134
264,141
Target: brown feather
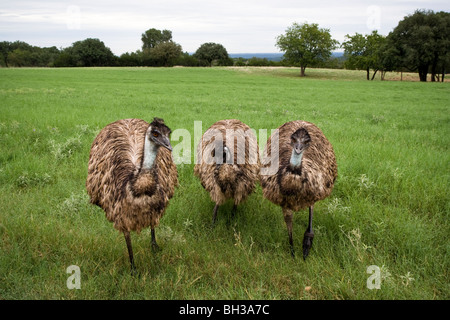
x,y
296,190
234,180
132,198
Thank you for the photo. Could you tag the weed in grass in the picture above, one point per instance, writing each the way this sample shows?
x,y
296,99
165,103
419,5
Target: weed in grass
x,y
26,179
65,149
76,203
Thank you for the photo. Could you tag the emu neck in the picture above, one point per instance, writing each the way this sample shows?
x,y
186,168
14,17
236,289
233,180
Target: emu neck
x,y
296,159
150,152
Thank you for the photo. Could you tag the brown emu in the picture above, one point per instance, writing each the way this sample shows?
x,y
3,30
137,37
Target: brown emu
x,y
228,165
131,177
306,173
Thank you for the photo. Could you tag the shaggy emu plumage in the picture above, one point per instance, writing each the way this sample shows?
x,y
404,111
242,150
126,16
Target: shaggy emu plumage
x,y
229,162
131,177
306,173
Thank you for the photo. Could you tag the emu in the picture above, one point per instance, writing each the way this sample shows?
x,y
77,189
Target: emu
x,y
229,163
306,173
131,177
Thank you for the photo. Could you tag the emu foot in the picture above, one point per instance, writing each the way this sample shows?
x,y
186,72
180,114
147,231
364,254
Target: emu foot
x,y
134,272
291,247
307,243
155,247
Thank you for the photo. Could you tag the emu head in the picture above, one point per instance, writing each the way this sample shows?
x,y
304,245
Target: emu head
x,y
222,156
300,141
158,133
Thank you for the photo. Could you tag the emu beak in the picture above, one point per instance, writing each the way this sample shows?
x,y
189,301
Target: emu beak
x,y
165,142
298,147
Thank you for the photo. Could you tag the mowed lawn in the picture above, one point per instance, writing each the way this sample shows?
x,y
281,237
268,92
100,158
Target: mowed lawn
x,y
389,208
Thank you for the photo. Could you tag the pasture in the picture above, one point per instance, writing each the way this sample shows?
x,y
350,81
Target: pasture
x,y
389,208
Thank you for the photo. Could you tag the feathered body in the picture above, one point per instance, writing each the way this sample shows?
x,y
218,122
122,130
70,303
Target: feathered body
x,y
295,186
132,198
236,175
298,188
132,194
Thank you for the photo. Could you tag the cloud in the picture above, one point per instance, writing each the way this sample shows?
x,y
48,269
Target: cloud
x,y
240,25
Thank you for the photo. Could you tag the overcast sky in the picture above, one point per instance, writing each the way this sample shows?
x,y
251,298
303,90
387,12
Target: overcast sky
x,y
241,26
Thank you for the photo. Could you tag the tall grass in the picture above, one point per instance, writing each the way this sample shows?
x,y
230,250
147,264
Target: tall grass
x,y
390,206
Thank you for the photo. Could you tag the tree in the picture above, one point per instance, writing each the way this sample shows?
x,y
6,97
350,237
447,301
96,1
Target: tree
x,y
152,37
91,53
165,53
363,52
65,59
187,60
211,51
422,41
306,44
21,54
441,61
132,59
5,49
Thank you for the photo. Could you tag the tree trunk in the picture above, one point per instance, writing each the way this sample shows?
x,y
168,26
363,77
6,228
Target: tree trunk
x,y
423,71
302,71
368,74
374,73
434,75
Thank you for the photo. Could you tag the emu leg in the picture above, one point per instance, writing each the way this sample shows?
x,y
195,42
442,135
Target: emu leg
x,y
130,250
288,216
215,214
155,246
309,235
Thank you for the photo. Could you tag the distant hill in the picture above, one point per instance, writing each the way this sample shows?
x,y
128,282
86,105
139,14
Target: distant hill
x,y
272,56
268,56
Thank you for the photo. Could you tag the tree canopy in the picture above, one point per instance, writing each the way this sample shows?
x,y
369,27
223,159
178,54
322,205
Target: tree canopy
x,y
152,37
363,52
91,53
306,44
211,51
421,42
165,53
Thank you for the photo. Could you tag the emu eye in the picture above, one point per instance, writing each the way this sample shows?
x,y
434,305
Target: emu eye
x,y
155,134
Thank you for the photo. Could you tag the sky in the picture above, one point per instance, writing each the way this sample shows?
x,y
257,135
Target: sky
x,y
243,26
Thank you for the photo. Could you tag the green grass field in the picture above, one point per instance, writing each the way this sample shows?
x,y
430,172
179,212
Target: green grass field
x,y
389,208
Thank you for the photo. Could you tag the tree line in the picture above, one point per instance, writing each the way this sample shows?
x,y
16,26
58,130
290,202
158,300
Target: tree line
x,y
420,43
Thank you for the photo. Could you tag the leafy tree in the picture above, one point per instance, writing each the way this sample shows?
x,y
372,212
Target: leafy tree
x,y
441,61
5,49
152,37
165,53
20,58
92,53
21,54
211,51
422,42
132,59
65,59
306,44
187,60
363,52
